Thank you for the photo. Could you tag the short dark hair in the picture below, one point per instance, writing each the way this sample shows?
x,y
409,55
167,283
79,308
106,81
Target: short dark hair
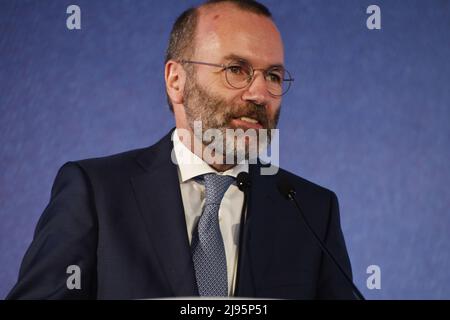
x,y
182,37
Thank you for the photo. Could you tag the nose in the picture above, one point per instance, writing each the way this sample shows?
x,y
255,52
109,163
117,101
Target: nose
x,y
256,91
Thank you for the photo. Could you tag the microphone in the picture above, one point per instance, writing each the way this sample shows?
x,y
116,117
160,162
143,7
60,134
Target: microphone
x,y
288,191
243,183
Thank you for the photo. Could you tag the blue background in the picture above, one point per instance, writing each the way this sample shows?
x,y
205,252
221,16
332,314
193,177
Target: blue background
x,y
368,117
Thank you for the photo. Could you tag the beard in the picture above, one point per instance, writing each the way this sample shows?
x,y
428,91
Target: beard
x,y
217,113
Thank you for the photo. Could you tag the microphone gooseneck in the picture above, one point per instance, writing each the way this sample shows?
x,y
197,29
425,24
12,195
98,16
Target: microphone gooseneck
x,y
243,183
288,191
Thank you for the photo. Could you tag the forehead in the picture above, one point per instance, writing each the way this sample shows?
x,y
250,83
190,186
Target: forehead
x,y
224,30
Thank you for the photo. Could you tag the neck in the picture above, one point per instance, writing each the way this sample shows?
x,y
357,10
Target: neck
x,y
221,167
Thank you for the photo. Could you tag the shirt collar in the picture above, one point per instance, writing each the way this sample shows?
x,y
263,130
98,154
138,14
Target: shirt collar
x,y
191,166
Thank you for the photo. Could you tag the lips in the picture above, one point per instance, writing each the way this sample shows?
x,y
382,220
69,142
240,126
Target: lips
x,y
246,123
248,119
248,116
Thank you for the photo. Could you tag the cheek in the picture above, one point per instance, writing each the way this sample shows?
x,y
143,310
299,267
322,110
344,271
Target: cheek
x,y
230,102
273,110
211,81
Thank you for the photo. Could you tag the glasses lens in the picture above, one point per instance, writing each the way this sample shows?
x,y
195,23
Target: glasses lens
x,y
274,80
285,83
238,74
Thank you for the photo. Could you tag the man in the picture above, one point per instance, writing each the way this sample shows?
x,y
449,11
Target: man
x,y
139,225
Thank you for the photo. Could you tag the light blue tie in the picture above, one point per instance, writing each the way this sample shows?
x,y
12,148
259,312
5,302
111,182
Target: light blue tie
x,y
208,251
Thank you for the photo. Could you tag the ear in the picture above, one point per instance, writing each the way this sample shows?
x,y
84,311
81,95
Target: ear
x,y
175,77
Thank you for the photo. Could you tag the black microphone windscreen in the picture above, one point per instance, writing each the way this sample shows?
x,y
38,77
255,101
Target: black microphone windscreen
x,y
285,188
243,180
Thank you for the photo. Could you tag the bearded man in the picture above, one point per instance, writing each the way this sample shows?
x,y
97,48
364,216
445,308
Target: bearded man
x,y
171,219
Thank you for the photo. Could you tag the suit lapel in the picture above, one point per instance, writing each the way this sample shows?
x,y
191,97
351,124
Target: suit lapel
x,y
158,195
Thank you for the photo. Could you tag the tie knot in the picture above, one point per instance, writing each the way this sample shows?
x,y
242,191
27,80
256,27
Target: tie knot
x,y
215,187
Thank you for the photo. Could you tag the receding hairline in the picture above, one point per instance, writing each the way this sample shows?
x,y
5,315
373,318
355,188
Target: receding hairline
x,y
194,14
203,9
248,6
207,9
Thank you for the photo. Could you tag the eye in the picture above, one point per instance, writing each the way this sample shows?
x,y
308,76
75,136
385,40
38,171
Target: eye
x,y
274,77
235,69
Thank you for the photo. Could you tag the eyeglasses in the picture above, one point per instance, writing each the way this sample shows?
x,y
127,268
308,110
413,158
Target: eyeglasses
x,y
239,74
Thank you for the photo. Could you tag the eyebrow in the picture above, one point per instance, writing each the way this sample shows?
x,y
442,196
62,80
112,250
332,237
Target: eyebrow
x,y
233,56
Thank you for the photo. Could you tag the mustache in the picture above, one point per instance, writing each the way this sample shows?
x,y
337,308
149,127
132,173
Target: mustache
x,y
249,110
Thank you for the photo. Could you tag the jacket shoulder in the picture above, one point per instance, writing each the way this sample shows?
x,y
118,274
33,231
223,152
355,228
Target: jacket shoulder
x,y
121,161
302,182
128,162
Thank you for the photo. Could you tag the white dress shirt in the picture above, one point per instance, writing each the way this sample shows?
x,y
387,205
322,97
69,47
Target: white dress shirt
x,y
193,196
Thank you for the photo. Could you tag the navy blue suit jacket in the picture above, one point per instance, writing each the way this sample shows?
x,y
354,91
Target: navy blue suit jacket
x,y
121,220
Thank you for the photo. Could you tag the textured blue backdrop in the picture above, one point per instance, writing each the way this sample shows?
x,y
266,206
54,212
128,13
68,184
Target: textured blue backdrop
x,y
368,117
